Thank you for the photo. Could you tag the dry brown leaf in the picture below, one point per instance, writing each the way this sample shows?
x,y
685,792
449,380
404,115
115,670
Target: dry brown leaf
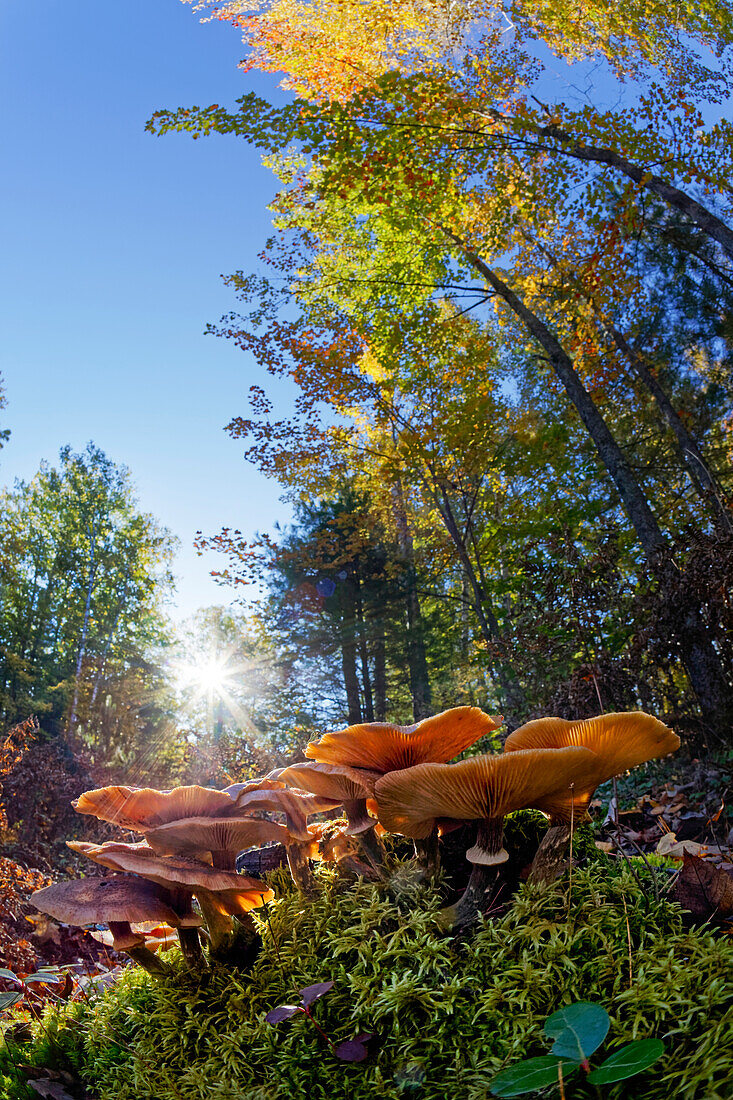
x,y
703,889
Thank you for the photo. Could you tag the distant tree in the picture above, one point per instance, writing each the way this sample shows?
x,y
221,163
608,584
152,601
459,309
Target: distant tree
x,y
83,575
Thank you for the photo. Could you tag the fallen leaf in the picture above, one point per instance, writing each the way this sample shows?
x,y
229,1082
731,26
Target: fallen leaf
x,y
704,890
669,845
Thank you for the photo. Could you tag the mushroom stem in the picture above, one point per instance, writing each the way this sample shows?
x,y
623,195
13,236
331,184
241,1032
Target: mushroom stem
x,y
190,943
218,923
427,854
489,847
248,941
124,939
549,861
372,849
487,853
357,815
466,910
148,960
300,868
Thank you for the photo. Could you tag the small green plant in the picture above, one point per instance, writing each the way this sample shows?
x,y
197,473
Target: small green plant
x,y
351,1050
578,1031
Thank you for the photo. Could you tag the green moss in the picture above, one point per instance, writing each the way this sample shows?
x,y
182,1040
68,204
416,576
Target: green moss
x,y
446,1016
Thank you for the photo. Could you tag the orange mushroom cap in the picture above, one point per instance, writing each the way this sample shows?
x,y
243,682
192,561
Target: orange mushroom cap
x,y
336,781
176,873
382,747
620,741
297,805
480,788
142,808
346,786
194,836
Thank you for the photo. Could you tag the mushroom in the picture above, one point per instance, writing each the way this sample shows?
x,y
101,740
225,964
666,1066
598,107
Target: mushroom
x,y
141,808
220,893
481,789
155,936
620,741
349,787
332,844
296,805
272,796
215,838
382,747
118,902
224,837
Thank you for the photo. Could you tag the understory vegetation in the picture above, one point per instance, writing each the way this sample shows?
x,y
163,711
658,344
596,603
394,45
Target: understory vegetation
x,y
445,1015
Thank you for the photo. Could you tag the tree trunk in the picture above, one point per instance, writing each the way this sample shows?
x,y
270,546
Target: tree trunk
x,y
488,623
571,146
700,474
697,652
84,628
380,671
416,657
363,652
348,653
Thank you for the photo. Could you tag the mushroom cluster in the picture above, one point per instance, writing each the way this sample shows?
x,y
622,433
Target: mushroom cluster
x,y
383,778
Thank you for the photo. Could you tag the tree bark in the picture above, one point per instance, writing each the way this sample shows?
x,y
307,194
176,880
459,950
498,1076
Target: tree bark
x,y
571,146
348,653
698,655
416,656
488,623
363,652
698,470
380,671
85,626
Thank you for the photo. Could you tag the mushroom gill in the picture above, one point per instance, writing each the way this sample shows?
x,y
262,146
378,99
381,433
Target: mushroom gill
x,y
481,789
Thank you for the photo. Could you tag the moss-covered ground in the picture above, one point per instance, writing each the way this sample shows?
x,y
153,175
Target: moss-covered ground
x,y
446,1015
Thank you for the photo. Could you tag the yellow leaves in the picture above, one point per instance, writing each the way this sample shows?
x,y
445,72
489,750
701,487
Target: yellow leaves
x,y
330,49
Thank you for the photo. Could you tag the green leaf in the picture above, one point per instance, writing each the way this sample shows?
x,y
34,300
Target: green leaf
x,y
627,1061
7,1000
578,1030
8,974
530,1075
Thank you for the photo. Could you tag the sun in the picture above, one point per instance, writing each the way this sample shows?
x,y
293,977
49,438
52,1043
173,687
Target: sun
x,y
211,674
208,676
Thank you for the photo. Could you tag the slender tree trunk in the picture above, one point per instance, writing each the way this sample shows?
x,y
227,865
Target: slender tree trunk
x,y
108,643
698,470
488,623
571,146
698,655
690,455
84,627
363,652
379,650
348,653
416,656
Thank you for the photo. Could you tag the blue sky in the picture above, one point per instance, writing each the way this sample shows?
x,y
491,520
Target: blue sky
x,y
112,243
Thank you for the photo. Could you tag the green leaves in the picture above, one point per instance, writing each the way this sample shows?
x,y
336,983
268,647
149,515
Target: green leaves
x,y
578,1030
629,1060
531,1075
